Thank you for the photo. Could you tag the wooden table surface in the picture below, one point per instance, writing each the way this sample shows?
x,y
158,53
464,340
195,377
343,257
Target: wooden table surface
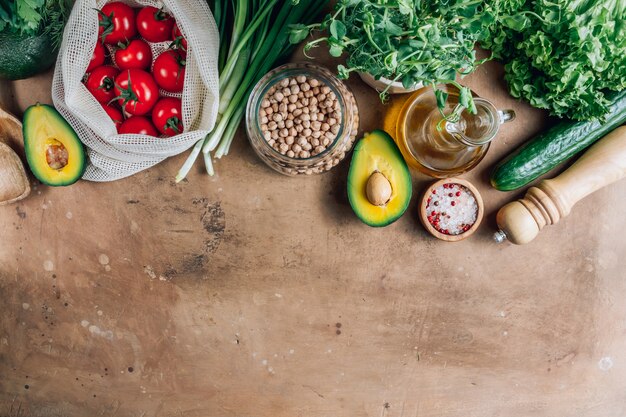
x,y
251,294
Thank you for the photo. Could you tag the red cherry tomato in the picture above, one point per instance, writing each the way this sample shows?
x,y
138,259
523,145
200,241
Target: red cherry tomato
x,y
117,23
167,116
169,71
101,83
134,54
139,125
97,58
137,91
154,24
178,40
114,113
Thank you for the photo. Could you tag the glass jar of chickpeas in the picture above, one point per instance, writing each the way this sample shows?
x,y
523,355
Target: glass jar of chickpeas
x,y
301,119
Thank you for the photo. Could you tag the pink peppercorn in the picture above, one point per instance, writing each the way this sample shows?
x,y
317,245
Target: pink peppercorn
x,y
459,204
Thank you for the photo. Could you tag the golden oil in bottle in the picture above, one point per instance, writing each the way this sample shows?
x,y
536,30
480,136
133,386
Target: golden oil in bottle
x,y
443,148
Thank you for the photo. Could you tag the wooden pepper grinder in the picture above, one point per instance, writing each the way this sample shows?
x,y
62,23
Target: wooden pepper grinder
x,y
603,164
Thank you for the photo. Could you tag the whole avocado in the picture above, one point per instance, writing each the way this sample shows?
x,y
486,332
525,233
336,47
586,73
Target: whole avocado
x,y
22,56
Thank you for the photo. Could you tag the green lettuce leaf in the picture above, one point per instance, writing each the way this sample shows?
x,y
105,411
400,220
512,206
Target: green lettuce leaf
x,y
563,55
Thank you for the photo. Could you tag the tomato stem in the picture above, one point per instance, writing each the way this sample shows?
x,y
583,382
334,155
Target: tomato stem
x,y
172,123
127,94
106,22
181,64
160,15
107,84
177,44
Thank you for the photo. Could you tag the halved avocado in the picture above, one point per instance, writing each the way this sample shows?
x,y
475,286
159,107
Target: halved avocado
x,y
375,203
54,153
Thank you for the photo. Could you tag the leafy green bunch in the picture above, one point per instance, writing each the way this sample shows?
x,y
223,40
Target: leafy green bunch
x,y
34,17
564,55
410,41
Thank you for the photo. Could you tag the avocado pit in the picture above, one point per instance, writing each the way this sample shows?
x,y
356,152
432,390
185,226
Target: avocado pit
x,y
378,189
57,155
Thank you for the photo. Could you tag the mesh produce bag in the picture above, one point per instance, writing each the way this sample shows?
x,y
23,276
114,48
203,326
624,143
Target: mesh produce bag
x,y
114,156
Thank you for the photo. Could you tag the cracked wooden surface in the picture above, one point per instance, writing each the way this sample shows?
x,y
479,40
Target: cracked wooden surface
x,y
253,294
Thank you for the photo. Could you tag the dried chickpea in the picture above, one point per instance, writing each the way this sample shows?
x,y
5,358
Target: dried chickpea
x,y
299,117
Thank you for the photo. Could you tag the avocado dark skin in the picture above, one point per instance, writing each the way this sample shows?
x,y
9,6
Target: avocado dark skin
x,y
22,56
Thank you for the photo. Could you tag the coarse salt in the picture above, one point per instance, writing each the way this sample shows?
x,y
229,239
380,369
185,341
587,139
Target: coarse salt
x,y
452,209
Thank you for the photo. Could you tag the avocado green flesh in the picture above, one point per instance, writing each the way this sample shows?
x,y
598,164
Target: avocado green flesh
x,y
378,152
23,56
44,127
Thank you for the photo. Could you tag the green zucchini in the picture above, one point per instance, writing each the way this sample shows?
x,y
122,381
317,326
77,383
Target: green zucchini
x,y
554,146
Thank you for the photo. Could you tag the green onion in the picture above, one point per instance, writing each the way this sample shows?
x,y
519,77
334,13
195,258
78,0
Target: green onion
x,y
184,170
254,36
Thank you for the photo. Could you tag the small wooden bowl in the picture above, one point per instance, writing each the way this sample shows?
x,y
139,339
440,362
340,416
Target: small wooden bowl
x,y
423,215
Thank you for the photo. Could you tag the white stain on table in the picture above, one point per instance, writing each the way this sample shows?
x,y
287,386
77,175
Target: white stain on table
x,y
605,363
103,259
95,330
134,227
149,271
48,265
69,215
267,366
25,306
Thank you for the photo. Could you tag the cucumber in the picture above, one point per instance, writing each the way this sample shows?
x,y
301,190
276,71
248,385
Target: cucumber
x,y
554,146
